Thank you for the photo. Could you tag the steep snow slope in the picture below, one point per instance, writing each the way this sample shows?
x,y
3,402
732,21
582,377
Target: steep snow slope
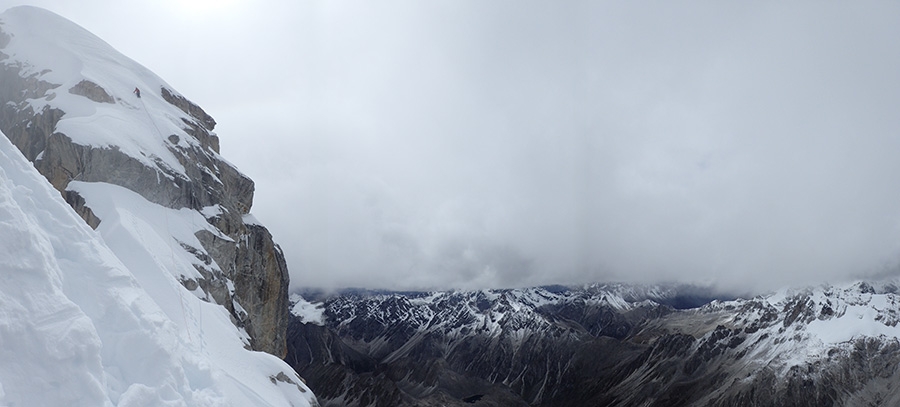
x,y
78,328
54,272
56,51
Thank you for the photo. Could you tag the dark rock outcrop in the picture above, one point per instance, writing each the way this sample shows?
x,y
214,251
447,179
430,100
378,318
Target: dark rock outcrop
x,y
91,91
77,202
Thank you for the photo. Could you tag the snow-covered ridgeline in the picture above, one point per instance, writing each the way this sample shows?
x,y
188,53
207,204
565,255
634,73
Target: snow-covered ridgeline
x,y
506,313
49,48
810,319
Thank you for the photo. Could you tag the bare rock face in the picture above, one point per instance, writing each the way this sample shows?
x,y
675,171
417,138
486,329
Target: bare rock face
x,y
76,201
262,282
91,91
251,279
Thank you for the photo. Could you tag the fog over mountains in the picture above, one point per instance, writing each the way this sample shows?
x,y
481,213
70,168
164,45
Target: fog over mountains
x,y
511,144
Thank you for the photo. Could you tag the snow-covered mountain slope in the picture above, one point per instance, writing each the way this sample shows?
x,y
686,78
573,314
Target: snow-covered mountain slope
x,y
606,344
66,102
80,68
172,296
81,327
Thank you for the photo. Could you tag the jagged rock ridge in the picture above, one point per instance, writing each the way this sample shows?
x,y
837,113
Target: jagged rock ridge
x,y
66,102
610,345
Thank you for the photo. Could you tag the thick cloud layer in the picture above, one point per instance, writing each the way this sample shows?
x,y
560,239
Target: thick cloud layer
x,y
489,144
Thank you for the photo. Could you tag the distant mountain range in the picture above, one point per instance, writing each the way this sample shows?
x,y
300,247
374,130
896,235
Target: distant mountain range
x,y
600,345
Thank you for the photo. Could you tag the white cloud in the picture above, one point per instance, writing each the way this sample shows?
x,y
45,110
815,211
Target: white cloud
x,y
461,144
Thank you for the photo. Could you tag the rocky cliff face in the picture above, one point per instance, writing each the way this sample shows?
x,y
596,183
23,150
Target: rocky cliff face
x,y
609,345
84,124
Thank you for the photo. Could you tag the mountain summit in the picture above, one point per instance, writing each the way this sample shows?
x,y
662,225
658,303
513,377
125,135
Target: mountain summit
x,y
178,281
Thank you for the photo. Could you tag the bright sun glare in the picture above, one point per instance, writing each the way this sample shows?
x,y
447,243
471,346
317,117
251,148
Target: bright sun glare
x,y
198,8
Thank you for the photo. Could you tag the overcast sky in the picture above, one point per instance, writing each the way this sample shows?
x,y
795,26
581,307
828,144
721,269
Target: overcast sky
x,y
472,144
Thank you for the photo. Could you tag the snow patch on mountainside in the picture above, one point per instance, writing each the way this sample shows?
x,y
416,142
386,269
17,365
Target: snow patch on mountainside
x,y
309,313
857,315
